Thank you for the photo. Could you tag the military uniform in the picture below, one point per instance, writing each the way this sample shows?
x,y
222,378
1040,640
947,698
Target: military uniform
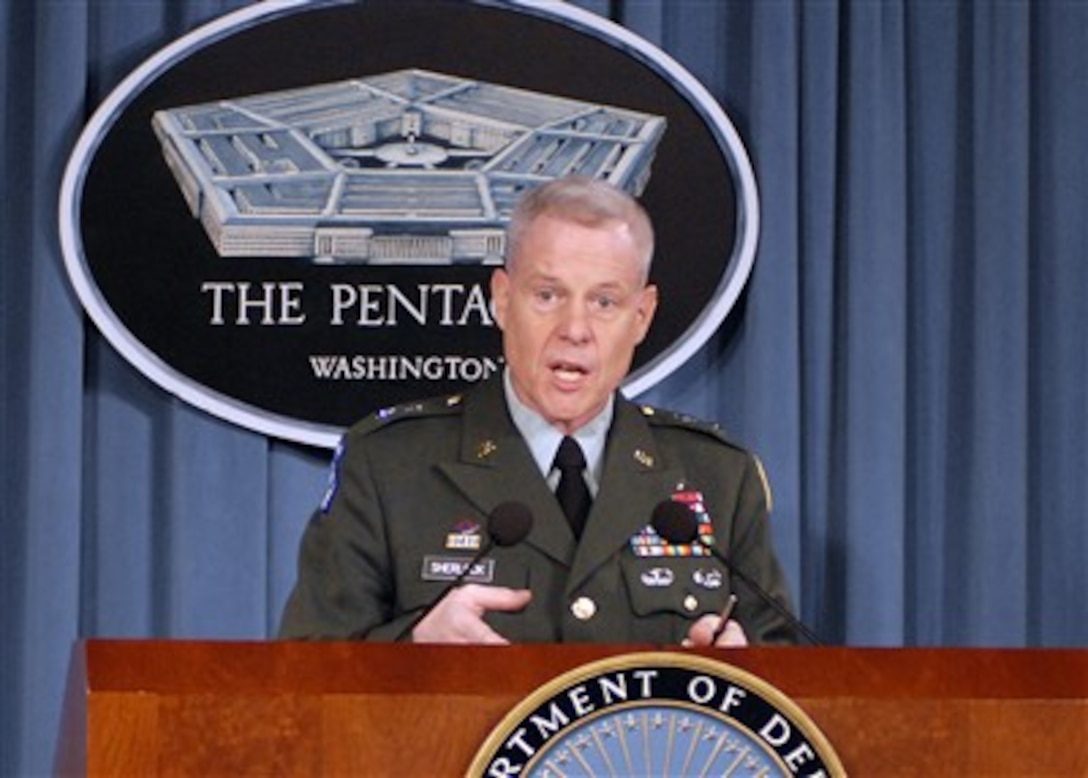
x,y
408,504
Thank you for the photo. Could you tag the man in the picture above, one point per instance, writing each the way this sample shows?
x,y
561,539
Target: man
x,y
413,486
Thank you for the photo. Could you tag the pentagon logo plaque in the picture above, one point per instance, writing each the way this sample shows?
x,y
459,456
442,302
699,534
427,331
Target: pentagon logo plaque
x,y
289,216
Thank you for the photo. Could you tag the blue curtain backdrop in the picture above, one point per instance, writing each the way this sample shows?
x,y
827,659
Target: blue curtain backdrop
x,y
909,357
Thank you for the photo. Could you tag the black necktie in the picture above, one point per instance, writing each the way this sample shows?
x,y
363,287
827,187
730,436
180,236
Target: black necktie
x,y
572,492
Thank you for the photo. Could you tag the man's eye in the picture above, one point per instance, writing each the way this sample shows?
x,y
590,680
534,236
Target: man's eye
x,y
545,295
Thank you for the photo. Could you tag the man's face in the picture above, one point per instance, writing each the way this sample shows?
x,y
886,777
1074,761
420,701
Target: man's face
x,y
572,308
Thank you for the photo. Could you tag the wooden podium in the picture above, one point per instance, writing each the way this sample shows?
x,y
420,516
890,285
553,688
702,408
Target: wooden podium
x,y
173,708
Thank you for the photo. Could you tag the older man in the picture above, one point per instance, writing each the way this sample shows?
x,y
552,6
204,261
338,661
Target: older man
x,y
413,487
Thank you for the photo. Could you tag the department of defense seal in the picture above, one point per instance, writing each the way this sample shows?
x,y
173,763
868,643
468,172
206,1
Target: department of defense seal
x,y
656,713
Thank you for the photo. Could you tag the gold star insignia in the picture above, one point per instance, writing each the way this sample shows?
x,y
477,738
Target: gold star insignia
x,y
485,449
644,458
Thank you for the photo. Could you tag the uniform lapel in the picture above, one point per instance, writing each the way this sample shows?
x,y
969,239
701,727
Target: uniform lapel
x,y
494,465
634,480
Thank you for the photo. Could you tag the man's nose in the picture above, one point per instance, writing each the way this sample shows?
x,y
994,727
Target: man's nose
x,y
576,325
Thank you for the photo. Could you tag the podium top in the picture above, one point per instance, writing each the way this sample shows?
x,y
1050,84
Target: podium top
x,y
334,666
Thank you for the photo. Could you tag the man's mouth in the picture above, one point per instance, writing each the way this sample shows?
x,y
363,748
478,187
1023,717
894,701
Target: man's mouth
x,y
568,371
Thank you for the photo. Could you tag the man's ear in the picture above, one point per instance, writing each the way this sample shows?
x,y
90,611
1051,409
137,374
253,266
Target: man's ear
x,y
647,306
500,295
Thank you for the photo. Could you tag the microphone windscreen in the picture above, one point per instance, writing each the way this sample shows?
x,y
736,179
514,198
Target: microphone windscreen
x,y
509,523
675,522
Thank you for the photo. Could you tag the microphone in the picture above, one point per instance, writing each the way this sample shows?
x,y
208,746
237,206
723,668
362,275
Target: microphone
x,y
508,524
676,523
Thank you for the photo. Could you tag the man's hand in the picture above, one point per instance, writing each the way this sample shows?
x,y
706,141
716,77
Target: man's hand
x,y
702,633
460,617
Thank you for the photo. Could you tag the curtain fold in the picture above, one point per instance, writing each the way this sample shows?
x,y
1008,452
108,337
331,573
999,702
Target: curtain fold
x,y
909,358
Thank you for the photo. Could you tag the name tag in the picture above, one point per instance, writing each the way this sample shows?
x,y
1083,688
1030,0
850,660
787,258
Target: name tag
x,y
447,568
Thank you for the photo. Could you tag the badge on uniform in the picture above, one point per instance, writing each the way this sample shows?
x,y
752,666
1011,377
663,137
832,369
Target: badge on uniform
x,y
658,577
447,568
465,536
709,578
647,543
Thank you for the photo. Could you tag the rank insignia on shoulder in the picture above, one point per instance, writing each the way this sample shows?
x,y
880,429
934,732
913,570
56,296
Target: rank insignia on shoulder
x,y
465,536
647,543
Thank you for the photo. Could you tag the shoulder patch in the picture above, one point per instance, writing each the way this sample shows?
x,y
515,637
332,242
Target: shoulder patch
x,y
441,406
332,485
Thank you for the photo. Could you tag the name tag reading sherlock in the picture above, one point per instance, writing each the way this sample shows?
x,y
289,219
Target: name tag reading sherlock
x,y
448,568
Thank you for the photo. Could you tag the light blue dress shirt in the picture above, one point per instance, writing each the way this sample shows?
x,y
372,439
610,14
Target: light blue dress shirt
x,y
543,439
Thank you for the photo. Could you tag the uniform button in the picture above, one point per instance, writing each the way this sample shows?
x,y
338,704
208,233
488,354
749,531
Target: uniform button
x,y
583,608
691,602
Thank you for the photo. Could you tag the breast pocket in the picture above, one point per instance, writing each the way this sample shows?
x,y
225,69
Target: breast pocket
x,y
667,594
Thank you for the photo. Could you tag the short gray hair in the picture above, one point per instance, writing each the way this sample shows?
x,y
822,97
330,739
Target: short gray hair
x,y
586,201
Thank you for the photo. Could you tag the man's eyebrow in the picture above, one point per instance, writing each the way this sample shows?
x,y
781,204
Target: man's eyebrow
x,y
616,286
536,276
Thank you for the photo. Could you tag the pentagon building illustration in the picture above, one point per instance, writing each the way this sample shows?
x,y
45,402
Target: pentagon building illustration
x,y
409,167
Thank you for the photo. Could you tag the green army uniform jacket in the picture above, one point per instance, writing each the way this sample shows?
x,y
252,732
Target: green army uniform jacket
x,y
408,505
